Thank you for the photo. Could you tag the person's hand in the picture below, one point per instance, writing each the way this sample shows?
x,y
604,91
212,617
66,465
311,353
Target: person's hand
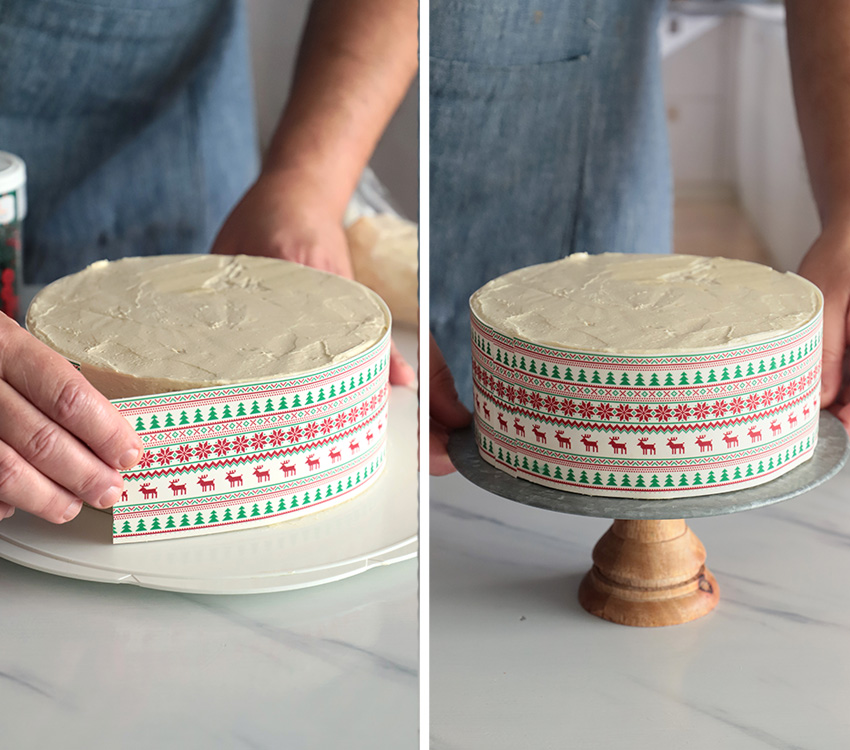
x,y
447,412
401,373
827,264
284,215
61,442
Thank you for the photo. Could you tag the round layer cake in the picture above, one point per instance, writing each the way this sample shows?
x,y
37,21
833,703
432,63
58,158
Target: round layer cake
x,y
168,323
646,376
259,387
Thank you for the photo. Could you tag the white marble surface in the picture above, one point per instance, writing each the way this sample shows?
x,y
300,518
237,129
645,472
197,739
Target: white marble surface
x,y
517,663
91,665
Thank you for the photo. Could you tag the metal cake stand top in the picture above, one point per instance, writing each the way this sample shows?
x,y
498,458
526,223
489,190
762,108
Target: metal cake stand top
x,y
832,451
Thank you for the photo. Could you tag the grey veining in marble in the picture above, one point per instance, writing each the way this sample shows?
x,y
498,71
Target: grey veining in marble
x,y
831,453
89,665
517,663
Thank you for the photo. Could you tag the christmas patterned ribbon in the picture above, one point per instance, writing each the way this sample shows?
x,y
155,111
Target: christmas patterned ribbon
x,y
647,426
241,456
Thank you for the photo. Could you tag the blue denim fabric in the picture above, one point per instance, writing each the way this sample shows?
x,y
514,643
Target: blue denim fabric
x,y
135,119
548,137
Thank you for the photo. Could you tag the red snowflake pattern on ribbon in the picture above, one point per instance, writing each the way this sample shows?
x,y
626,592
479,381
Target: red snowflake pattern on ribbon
x,y
767,398
536,401
521,397
258,441
585,409
682,412
624,412
663,413
551,404
753,401
568,406
165,456
326,426
643,413
605,411
221,447
311,430
719,408
293,435
240,444
147,460
340,421
184,453
701,410
203,450
736,405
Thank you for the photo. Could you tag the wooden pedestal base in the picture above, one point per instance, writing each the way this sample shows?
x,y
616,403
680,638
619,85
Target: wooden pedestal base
x,y
649,573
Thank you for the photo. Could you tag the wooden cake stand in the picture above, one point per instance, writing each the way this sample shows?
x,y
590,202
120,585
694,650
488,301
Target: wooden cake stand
x,y
649,567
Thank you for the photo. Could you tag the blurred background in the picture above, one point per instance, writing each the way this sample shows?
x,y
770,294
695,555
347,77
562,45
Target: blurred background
x,y
275,29
741,186
740,179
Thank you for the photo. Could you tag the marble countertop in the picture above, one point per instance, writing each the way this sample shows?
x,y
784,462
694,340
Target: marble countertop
x,y
517,663
90,665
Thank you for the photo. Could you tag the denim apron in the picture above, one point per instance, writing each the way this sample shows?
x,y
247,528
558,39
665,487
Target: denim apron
x,y
136,122
548,137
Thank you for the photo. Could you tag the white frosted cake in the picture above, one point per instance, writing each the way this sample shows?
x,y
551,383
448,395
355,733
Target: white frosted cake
x,y
646,376
259,387
165,323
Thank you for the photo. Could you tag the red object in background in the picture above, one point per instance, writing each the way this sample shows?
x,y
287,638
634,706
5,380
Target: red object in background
x,y
8,298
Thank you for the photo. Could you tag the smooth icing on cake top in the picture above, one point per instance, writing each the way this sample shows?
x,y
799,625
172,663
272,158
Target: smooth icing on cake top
x,y
187,321
646,303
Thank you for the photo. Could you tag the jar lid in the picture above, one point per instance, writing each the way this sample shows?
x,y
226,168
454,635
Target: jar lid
x,y
13,172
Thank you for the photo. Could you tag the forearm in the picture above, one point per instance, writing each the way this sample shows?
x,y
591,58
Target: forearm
x,y
819,47
355,63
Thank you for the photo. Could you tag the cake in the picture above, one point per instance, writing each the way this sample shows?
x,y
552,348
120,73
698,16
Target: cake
x,y
259,386
384,254
646,376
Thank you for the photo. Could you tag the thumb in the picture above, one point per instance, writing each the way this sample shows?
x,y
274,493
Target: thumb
x,y
834,344
439,463
401,373
445,406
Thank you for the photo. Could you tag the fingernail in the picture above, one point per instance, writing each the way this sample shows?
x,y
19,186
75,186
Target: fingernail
x,y
109,498
10,511
73,510
130,458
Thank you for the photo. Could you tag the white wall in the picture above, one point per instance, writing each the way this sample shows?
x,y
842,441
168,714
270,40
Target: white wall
x,y
733,130
771,175
699,94
275,28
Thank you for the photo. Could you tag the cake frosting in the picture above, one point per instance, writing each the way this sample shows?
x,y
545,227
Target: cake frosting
x,y
646,376
167,323
646,303
259,387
